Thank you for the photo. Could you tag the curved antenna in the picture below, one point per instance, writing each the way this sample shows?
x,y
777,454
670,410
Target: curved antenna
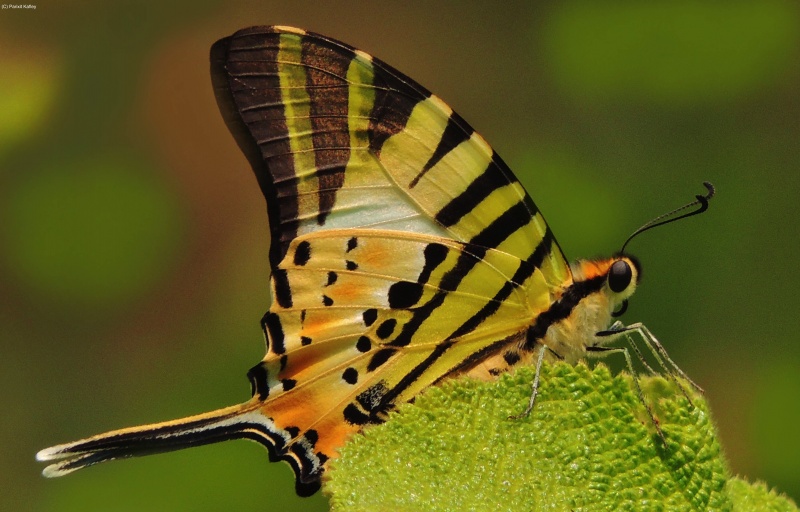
x,y
669,216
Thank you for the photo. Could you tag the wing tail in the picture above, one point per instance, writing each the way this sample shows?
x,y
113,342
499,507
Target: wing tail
x,y
212,427
244,421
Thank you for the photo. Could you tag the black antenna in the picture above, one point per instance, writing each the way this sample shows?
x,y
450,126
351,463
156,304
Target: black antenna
x,y
666,218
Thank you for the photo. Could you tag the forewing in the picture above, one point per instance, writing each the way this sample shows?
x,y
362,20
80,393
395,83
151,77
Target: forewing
x,y
339,139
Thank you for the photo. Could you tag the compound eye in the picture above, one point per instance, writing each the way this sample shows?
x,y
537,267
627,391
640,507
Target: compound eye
x,y
620,275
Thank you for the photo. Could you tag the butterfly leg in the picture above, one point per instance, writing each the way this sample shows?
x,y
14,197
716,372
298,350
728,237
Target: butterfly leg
x,y
535,388
656,349
615,330
604,351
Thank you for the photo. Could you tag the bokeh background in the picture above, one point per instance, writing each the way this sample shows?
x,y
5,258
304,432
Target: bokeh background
x,y
133,237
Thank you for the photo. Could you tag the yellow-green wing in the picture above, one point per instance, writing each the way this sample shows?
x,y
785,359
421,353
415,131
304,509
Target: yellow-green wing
x,y
339,139
403,249
373,317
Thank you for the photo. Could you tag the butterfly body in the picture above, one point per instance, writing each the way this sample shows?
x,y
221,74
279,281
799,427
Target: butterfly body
x,y
404,252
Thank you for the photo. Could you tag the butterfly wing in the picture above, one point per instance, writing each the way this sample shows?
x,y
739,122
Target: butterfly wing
x,y
403,251
339,139
403,248
373,317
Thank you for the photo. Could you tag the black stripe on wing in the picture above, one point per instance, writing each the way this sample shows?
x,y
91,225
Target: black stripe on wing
x,y
262,134
287,445
245,75
328,96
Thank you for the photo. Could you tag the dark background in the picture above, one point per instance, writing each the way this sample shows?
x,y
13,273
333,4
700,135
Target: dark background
x,y
133,237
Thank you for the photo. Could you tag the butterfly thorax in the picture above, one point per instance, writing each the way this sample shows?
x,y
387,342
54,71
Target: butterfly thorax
x,y
587,305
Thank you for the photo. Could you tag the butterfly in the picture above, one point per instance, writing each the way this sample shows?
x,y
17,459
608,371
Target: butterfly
x,y
404,251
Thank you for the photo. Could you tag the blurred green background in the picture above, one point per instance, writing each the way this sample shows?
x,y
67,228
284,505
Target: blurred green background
x,y
133,237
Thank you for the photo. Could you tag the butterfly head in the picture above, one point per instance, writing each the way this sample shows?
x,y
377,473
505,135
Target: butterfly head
x,y
616,278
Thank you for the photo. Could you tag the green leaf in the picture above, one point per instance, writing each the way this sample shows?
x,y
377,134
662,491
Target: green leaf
x,y
589,444
757,497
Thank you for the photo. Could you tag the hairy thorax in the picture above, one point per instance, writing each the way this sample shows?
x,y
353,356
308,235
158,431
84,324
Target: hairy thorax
x,y
567,339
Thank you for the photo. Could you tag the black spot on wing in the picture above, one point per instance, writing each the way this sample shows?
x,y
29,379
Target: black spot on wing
x,y
311,436
350,375
467,260
352,243
368,406
372,398
435,254
354,416
332,277
380,357
363,344
386,328
404,294
370,316
511,358
280,285
302,253
327,301
305,341
350,265
288,384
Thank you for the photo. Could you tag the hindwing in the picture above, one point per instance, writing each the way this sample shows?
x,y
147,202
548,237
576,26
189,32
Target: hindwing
x,y
366,319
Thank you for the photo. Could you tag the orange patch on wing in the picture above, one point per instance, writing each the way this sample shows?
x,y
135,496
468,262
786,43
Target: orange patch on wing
x,y
300,408
309,408
319,320
352,291
377,254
